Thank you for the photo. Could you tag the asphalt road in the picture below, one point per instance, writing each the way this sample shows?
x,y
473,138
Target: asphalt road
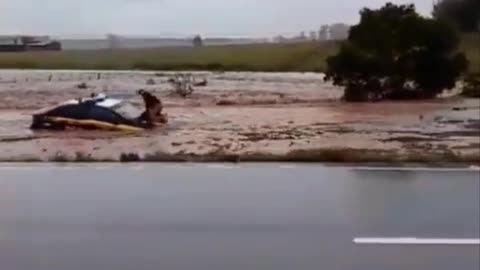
x,y
214,217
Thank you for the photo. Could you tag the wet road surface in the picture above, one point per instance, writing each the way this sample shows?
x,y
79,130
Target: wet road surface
x,y
270,216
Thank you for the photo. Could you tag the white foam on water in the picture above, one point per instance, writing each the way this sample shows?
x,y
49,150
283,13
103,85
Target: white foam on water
x,y
417,241
220,166
475,168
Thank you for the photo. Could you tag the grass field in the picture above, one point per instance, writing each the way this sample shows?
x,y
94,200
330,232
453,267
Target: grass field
x,y
258,57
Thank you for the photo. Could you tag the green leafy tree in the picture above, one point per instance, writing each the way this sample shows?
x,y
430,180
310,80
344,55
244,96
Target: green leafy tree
x,y
394,53
464,13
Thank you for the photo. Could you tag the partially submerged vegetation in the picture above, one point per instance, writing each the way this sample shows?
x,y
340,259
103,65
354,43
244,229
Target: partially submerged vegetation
x,y
330,155
471,86
383,59
464,14
334,155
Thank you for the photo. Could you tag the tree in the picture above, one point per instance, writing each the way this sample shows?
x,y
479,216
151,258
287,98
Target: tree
x,y
464,13
339,31
394,53
197,41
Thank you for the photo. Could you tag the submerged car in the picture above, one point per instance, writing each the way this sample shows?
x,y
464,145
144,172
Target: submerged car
x,y
96,112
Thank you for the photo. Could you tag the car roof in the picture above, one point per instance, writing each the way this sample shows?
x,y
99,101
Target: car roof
x,y
100,100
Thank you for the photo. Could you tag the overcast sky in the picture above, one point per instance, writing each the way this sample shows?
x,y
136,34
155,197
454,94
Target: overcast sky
x,y
255,18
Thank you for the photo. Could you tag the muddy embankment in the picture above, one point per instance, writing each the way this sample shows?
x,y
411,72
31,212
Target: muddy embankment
x,y
239,117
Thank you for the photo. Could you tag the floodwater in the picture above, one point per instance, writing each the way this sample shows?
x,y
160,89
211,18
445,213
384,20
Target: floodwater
x,y
293,111
270,216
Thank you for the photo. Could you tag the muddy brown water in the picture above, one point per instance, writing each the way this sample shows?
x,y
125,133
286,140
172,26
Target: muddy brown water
x,y
272,105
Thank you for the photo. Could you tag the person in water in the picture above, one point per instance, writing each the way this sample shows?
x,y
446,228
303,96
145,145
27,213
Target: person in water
x,y
153,108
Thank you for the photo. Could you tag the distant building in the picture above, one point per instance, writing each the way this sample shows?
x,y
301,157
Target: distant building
x,y
324,33
28,43
113,41
126,42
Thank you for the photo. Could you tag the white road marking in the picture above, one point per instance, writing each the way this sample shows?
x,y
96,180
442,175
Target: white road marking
x,y
416,241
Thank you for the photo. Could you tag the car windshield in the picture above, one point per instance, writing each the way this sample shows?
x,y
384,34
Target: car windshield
x,y
127,110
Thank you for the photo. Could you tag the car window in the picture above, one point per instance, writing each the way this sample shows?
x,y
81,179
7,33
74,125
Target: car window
x,y
127,110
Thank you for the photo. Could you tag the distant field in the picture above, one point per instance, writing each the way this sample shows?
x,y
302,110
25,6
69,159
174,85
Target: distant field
x,y
258,57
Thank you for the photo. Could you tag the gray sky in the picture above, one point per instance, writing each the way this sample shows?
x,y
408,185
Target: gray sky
x,y
254,18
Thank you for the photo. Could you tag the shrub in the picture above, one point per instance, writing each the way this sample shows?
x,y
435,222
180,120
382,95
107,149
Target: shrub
x,y
471,87
129,157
